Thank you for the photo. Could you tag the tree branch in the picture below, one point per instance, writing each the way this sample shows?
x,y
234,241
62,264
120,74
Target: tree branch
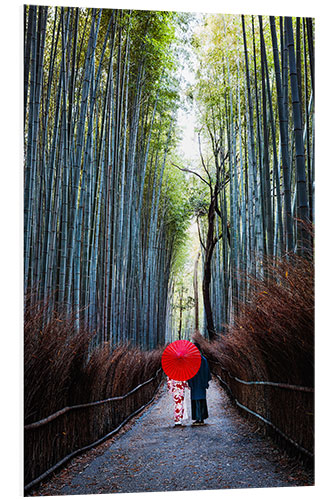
x,y
217,238
199,232
191,172
203,163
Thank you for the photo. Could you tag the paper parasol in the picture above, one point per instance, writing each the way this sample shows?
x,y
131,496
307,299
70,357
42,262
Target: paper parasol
x,y
181,360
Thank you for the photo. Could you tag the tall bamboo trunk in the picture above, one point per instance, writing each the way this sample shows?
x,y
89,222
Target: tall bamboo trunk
x,y
284,141
303,206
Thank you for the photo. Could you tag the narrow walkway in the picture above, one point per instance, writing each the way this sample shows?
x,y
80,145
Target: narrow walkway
x,y
154,456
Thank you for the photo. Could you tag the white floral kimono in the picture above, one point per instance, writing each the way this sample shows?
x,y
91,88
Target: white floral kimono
x,y
177,389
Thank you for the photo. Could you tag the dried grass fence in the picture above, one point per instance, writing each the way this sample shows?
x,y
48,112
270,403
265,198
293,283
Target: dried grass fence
x,y
284,411
265,359
72,400
52,441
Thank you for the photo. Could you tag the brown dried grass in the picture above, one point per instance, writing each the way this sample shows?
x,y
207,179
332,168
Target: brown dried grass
x,y
58,371
272,338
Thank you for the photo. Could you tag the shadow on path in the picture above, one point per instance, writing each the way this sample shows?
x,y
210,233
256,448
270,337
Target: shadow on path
x,y
154,456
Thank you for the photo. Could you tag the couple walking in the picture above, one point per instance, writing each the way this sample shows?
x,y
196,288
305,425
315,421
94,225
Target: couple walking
x,y
198,385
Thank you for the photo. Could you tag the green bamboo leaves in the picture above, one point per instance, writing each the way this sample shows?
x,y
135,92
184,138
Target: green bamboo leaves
x,y
257,110
98,107
102,227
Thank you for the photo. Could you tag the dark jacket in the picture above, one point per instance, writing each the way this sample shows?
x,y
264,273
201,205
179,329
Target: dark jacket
x,y
199,383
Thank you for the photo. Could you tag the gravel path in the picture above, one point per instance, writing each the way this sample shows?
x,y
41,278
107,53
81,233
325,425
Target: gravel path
x,y
152,456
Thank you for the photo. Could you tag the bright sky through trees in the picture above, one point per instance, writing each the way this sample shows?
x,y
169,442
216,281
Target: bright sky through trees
x,y
187,118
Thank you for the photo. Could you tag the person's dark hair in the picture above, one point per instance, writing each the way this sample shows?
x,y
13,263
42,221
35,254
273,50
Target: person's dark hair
x,y
197,345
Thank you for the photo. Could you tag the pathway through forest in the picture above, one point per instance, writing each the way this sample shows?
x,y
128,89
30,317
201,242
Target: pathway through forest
x,y
152,455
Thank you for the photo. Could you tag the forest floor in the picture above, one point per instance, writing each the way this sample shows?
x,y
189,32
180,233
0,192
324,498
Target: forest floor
x,y
151,455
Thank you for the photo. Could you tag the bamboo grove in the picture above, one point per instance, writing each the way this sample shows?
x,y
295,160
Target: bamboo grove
x,y
101,230
255,96
106,211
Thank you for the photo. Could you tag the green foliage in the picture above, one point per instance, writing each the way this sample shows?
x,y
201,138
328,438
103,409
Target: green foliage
x,y
100,144
176,194
103,209
239,127
199,198
187,302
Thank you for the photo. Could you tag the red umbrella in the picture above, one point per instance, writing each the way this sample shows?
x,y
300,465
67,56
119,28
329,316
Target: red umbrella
x,y
181,360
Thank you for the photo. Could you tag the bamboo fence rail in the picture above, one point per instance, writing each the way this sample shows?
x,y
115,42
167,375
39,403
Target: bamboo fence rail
x,y
52,441
286,410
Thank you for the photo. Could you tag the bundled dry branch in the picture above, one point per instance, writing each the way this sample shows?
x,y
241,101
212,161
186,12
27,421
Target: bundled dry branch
x,y
273,335
54,357
272,339
60,374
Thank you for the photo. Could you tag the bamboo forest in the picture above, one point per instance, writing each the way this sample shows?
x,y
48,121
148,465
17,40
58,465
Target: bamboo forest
x,y
169,193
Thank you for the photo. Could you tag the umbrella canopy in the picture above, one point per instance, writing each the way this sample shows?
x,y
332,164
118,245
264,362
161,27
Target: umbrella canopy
x,y
181,360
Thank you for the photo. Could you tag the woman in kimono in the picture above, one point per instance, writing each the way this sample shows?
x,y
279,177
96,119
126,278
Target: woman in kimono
x,y
177,389
198,385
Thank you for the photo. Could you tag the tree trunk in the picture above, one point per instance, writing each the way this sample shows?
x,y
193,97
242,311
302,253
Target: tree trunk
x,y
207,273
196,294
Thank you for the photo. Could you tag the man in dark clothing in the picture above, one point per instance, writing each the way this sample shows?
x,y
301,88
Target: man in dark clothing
x,y
199,384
